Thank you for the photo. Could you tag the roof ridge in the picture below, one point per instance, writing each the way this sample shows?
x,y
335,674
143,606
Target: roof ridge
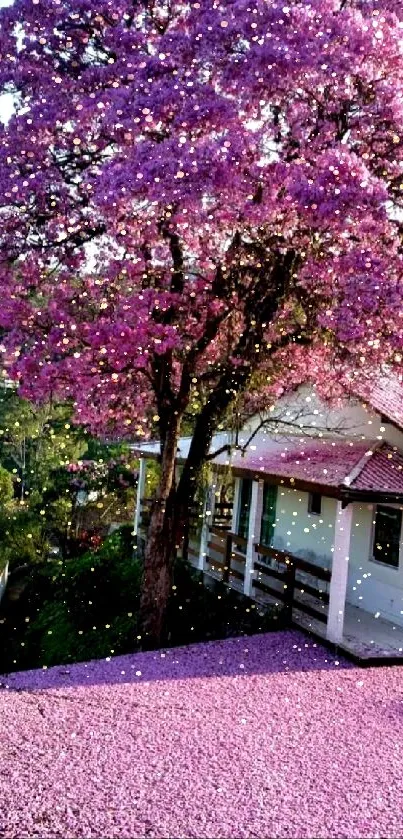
x,y
361,463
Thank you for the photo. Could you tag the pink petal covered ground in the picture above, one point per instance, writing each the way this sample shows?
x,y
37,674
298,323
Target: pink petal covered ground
x,y
268,736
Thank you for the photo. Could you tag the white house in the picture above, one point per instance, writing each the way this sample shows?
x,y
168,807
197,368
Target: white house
x,y
308,510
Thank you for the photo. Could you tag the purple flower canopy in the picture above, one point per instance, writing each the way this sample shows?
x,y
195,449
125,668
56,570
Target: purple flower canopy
x,y
270,735
235,171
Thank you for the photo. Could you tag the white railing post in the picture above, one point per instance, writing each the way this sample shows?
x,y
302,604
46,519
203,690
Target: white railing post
x,y
140,494
338,582
208,516
235,509
255,519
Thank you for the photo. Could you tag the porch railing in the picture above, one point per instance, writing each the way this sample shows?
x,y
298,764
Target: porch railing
x,y
225,544
222,515
292,592
146,505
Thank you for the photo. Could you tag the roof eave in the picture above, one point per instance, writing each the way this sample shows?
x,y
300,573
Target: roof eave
x,y
384,417
340,492
377,496
137,451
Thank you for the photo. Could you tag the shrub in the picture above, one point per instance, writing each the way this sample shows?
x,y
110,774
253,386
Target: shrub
x,y
78,609
6,486
87,607
22,538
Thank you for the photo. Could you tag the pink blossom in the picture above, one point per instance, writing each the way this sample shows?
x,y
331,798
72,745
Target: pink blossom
x,y
270,735
222,161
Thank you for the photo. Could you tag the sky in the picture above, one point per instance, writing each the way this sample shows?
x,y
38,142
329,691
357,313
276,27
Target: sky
x,y
6,105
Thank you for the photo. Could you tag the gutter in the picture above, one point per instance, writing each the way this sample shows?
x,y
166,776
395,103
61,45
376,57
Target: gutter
x,y
348,496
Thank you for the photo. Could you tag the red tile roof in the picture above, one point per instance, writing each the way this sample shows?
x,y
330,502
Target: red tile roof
x,y
354,464
321,461
348,463
382,471
385,396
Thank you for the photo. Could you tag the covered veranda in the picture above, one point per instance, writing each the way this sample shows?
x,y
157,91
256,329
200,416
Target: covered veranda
x,y
315,597
365,636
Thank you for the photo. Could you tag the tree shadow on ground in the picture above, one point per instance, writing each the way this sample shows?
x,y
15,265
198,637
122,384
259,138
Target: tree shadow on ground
x,y
287,652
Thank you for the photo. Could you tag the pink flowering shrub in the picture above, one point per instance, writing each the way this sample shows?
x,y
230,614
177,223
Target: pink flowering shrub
x,y
116,474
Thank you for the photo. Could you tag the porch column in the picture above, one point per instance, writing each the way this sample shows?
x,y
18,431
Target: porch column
x,y
140,495
208,517
235,509
338,583
255,519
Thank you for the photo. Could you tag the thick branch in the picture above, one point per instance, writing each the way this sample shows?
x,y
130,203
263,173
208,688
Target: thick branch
x,y
175,247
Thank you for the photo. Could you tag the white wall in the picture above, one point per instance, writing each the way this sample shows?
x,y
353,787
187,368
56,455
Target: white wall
x,y
351,419
306,535
372,586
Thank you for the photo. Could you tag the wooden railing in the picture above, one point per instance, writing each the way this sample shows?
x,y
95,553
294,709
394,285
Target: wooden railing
x,y
226,554
146,505
222,515
292,589
224,543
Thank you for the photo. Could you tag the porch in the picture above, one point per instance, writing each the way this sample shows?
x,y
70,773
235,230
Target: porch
x,y
365,636
233,538
303,589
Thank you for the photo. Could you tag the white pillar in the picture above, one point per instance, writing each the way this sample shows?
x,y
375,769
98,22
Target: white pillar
x,y
255,520
208,516
338,583
235,508
140,494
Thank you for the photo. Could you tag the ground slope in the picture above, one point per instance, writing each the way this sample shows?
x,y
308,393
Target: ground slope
x,y
269,736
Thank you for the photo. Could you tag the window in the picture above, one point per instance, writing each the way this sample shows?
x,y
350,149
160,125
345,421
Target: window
x,y
244,507
315,503
388,527
268,514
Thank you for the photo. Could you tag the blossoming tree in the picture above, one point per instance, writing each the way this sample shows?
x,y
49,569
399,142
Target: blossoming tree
x,y
201,203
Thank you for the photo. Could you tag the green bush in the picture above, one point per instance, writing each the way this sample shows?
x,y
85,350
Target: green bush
x,y
78,609
23,540
87,608
6,486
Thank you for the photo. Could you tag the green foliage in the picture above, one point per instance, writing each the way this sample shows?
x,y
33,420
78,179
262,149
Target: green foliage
x,y
87,608
153,475
105,451
6,487
38,499
23,539
78,609
34,440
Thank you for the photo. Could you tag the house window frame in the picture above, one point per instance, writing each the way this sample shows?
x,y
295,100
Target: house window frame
x,y
267,487
239,510
310,497
372,558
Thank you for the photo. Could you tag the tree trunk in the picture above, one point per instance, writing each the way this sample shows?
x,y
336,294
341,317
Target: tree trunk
x,y
159,555
169,521
160,548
